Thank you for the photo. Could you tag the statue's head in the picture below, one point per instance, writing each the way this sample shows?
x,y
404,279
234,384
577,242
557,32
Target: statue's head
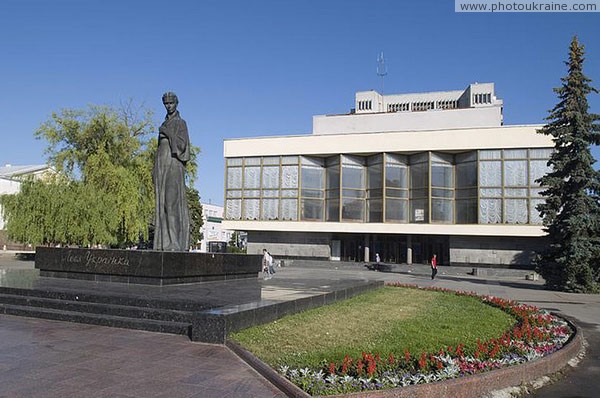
x,y
170,96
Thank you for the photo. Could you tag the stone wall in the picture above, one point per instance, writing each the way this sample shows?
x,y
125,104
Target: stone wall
x,y
487,250
290,244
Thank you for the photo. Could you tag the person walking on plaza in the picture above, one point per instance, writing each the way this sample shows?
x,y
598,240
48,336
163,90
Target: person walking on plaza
x,y
433,266
267,264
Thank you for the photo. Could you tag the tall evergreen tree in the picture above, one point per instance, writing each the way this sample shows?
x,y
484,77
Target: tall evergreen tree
x,y
571,212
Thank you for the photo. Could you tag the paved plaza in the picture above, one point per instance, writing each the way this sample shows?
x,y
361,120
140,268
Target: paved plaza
x,y
42,358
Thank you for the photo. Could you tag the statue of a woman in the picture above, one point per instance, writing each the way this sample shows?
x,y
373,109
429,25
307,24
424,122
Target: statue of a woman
x,y
172,223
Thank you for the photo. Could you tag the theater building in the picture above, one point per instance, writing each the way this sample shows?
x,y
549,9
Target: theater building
x,y
405,176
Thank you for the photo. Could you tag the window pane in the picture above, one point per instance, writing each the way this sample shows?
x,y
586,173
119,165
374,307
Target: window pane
x,y
353,193
534,215
313,193
396,210
353,177
234,194
333,177
333,209
490,174
233,209
515,173
252,177
395,176
466,211
289,193
465,193
252,161
375,176
251,207
234,177
313,177
441,176
270,177
394,158
274,160
515,211
270,209
515,154
442,210
516,192
540,153
234,161
396,193
466,157
442,157
466,175
251,193
310,161
491,192
270,193
490,211
419,211
289,176
537,169
490,154
353,209
289,209
289,160
375,210
442,193
312,209
419,176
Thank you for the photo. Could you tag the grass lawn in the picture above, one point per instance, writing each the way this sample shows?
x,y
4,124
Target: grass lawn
x,y
386,320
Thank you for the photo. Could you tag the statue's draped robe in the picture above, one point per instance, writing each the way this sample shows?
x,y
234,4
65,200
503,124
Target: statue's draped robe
x,y
172,223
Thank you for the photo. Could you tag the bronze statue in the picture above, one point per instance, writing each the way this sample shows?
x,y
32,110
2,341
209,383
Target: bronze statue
x,y
172,222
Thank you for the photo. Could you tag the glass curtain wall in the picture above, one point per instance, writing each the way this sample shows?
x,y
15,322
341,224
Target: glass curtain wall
x,y
312,188
442,188
419,188
353,188
538,167
396,188
375,188
332,193
466,188
485,186
508,187
289,188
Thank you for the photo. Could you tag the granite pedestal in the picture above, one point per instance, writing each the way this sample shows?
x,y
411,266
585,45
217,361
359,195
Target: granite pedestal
x,y
144,267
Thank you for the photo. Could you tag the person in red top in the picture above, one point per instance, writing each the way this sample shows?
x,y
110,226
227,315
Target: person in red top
x,y
433,266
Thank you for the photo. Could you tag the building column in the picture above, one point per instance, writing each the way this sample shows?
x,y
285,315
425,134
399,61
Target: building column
x,y
408,249
367,257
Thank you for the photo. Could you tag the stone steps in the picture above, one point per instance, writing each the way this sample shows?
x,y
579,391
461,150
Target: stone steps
x,y
105,311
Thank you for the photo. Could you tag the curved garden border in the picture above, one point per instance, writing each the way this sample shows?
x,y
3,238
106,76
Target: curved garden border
x,y
468,386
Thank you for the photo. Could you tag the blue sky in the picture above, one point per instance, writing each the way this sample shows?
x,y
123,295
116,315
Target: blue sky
x,y
265,67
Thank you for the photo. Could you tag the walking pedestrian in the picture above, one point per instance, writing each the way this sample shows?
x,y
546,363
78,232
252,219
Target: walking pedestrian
x,y
434,266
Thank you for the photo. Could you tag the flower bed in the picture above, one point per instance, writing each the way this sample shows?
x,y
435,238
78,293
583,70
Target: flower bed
x,y
536,333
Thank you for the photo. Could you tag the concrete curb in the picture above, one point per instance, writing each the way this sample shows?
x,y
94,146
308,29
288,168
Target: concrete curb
x,y
477,385
286,386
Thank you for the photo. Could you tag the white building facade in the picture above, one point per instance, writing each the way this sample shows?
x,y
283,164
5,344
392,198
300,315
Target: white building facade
x,y
212,228
11,177
405,176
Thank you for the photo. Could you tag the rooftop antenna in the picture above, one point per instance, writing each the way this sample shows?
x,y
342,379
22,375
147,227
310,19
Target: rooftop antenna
x,y
381,70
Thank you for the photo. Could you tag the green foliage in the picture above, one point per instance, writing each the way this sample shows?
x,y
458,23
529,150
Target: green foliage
x,y
103,192
571,212
233,246
196,221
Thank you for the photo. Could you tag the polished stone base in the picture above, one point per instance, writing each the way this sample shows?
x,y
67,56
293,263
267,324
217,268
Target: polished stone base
x,y
205,312
144,267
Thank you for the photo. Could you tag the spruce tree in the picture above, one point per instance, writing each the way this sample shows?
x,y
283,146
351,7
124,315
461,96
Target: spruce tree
x,y
571,212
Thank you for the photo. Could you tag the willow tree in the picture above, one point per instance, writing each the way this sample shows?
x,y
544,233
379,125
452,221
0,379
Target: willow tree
x,y
571,212
103,193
